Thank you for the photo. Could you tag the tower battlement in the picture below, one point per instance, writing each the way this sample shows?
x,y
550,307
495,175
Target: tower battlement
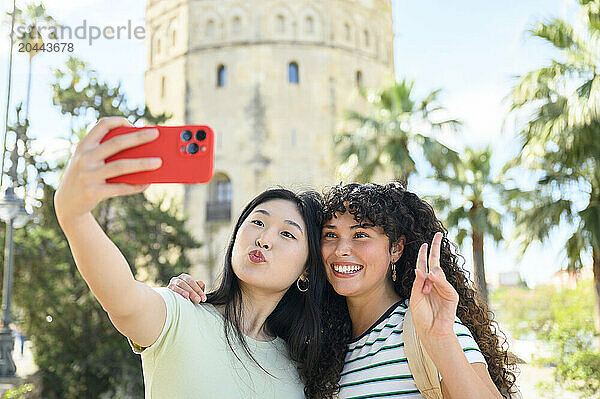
x,y
272,78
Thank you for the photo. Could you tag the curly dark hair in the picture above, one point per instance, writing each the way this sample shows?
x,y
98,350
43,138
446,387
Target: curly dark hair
x,y
402,213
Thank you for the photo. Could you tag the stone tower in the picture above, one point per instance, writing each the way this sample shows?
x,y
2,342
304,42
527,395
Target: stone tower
x,y
272,78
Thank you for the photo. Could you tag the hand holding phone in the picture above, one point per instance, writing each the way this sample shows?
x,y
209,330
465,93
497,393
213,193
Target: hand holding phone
x,y
83,184
186,152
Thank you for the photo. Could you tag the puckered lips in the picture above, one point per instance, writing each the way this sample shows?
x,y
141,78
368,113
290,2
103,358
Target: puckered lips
x,y
345,269
256,256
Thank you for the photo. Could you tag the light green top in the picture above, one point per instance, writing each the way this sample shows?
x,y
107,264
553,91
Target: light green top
x,y
191,359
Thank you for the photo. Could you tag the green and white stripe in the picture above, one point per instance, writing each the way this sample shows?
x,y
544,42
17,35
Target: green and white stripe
x,y
376,365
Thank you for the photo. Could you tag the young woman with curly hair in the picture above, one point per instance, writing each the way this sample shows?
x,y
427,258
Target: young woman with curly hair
x,y
374,246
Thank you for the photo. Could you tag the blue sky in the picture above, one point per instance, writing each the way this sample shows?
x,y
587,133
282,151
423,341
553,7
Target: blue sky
x,y
472,50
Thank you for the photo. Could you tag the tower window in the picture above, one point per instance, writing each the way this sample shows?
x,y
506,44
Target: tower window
x,y
163,87
293,73
366,36
359,79
347,32
310,25
237,25
158,47
221,76
173,37
210,28
223,191
281,23
218,207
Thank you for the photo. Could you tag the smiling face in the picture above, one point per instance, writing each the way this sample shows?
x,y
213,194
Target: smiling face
x,y
357,256
271,247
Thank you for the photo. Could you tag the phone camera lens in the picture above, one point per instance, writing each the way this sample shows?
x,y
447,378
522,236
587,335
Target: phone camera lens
x,y
186,135
192,148
200,135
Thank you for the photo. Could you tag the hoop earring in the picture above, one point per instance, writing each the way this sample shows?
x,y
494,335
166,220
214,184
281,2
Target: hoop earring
x,y
305,287
393,271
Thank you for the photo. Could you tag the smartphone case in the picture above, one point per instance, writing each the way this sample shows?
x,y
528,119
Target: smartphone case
x,y
179,163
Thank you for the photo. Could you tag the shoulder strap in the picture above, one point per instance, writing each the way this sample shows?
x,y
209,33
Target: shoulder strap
x,y
421,366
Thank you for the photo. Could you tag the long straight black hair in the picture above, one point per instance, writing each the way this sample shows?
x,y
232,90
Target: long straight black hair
x,y
297,317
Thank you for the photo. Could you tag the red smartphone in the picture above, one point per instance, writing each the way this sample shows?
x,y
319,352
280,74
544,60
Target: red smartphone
x,y
187,154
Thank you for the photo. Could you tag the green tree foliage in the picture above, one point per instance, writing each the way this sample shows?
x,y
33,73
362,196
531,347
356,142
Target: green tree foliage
x,y
79,352
19,392
564,319
561,142
379,141
470,181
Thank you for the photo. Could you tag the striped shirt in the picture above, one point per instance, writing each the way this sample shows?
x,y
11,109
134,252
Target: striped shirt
x,y
376,365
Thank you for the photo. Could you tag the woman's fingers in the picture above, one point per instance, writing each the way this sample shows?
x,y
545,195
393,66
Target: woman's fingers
x,y
194,289
198,294
434,254
442,286
178,290
422,258
184,289
122,142
115,190
92,139
127,166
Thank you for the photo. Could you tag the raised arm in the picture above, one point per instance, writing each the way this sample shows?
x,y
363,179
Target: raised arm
x,y
135,309
433,303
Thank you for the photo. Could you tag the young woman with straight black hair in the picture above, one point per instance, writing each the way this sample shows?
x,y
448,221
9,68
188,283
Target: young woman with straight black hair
x,y
259,335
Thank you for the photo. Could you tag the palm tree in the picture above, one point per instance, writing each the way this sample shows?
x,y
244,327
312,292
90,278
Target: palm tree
x,y
380,141
561,142
33,17
470,181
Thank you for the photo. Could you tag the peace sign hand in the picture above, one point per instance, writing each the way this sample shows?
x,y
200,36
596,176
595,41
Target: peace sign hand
x,y
433,299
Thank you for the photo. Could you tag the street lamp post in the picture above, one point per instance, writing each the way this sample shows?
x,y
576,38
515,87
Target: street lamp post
x,y
13,213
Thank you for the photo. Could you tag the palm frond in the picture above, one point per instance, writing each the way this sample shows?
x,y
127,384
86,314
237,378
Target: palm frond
x,y
590,218
537,222
456,215
561,35
573,248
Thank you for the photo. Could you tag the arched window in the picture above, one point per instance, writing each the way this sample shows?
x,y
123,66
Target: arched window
x,y
210,28
237,25
366,36
173,37
293,73
158,46
221,76
163,86
347,32
281,23
309,25
218,207
359,79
